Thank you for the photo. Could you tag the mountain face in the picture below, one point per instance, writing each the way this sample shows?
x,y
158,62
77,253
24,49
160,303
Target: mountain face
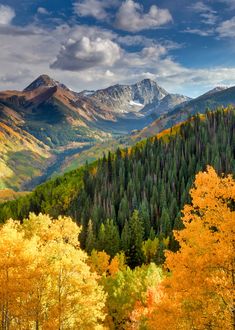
x,y
215,90
44,81
170,101
57,116
218,97
22,156
47,122
123,99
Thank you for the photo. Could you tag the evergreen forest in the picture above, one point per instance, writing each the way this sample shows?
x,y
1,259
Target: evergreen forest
x,y
131,200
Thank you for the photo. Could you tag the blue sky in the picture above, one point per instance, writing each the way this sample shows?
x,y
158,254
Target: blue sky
x,y
186,46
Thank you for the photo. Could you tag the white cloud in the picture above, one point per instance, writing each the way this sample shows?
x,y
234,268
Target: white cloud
x,y
42,11
19,67
201,7
131,17
200,32
148,57
132,40
227,28
6,15
85,53
207,14
15,76
94,8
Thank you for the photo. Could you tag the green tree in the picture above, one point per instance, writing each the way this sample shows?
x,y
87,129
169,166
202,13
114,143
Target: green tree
x,y
137,234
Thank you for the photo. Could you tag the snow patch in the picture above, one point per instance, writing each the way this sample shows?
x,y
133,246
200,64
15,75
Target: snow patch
x,y
88,93
136,103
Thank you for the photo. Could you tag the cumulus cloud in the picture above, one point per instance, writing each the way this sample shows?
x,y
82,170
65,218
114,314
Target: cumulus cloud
x,y
227,28
94,8
85,53
6,15
115,65
131,17
148,57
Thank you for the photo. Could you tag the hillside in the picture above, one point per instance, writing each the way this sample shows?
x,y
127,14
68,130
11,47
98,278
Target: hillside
x,y
218,97
44,125
22,156
55,129
154,176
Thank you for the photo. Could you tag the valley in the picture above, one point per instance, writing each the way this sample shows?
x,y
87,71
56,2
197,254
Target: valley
x,y
117,165
55,166
57,129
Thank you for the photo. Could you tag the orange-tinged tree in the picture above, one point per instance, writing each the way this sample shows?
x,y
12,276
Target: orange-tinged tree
x,y
199,293
17,265
118,263
99,262
45,282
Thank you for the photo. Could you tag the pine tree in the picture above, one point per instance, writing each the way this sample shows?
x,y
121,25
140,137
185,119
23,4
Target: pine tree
x,y
90,238
136,238
112,239
126,238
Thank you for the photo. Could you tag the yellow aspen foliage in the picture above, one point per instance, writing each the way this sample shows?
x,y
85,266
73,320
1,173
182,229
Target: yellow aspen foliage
x,y
114,266
16,273
199,293
45,282
118,263
99,262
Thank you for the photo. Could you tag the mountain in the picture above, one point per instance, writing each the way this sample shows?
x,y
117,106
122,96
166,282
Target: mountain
x,y
57,115
51,122
217,97
123,99
170,101
154,176
44,81
22,156
215,90
132,106
132,101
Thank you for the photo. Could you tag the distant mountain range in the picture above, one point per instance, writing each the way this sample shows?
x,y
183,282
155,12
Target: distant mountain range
x,y
47,121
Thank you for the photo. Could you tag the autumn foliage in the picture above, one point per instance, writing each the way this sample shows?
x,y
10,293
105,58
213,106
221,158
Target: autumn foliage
x,y
199,292
45,282
48,283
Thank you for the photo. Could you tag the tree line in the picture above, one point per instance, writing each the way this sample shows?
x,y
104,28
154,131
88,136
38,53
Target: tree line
x,y
131,200
48,282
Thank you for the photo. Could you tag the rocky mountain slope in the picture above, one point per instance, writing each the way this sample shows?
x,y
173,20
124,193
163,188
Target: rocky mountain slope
x,y
218,97
22,156
47,122
124,99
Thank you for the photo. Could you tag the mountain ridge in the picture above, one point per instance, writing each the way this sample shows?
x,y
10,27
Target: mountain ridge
x,y
208,101
65,122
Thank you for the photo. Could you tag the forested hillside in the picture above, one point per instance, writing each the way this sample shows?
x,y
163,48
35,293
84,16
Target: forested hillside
x,y
48,282
135,195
